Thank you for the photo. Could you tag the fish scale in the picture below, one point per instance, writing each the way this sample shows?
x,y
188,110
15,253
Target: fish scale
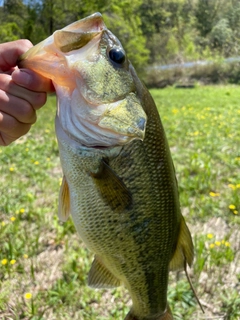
x,y
119,182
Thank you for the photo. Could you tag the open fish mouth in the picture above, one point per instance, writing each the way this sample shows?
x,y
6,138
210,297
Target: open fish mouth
x,y
97,101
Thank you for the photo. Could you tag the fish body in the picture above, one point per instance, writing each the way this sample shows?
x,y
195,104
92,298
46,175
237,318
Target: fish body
x,y
119,182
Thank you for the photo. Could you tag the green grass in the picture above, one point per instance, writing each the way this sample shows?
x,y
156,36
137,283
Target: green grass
x,y
45,258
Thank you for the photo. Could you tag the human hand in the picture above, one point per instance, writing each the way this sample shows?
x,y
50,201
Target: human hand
x,y
22,92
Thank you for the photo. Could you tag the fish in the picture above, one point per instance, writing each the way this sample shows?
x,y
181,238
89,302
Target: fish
x,y
119,183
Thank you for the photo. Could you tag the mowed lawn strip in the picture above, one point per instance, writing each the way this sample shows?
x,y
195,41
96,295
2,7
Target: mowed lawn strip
x,y
43,263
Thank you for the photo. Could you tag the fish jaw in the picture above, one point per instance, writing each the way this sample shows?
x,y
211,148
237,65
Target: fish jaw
x,y
49,57
97,101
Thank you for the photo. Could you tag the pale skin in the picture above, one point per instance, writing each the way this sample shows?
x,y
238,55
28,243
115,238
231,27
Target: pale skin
x,y
22,93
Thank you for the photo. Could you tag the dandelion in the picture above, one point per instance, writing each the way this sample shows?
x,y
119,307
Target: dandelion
x,y
212,245
36,163
22,210
3,223
175,111
214,194
60,181
232,207
47,131
27,149
232,186
196,133
4,262
217,243
12,219
209,235
238,186
25,256
235,211
11,169
227,244
13,261
17,211
28,296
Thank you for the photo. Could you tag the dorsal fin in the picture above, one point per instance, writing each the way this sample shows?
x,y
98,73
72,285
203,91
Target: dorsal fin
x,y
184,255
64,201
184,249
100,277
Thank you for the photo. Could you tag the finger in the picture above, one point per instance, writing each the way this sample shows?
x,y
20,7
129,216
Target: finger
x,y
18,108
32,81
11,129
10,52
36,99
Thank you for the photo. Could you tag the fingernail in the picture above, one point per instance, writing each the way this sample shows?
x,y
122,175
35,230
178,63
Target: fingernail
x,y
22,77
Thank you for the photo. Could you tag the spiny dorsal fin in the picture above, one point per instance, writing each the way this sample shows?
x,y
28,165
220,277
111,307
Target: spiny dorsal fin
x,y
64,201
112,188
184,249
100,277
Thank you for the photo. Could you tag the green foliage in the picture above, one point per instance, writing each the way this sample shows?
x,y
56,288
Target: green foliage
x,y
9,32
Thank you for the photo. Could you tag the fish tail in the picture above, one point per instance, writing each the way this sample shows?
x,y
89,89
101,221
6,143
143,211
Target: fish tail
x,y
166,316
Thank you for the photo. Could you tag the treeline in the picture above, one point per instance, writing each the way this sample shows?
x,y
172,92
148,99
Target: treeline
x,y
152,31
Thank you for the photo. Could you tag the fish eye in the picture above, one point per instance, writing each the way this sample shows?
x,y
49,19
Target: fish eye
x,y
117,55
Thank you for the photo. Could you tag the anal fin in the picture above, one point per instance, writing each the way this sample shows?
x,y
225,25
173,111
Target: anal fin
x,y
100,277
64,201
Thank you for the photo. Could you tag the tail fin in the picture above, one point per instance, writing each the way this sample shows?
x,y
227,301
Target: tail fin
x,y
166,316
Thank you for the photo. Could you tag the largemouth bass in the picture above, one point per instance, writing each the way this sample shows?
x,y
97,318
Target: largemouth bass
x,y
119,182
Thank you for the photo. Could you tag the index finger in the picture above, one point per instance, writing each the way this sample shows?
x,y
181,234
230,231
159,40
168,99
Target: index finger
x,y
10,52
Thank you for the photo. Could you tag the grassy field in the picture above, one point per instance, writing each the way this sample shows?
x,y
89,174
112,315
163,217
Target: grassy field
x,y
44,265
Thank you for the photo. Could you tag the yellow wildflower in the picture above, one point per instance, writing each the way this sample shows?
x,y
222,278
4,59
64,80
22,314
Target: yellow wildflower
x,y
232,207
3,223
11,169
26,149
13,261
227,244
235,211
217,243
232,186
25,256
4,262
36,163
28,296
238,186
212,245
209,235
17,211
48,159
214,194
174,111
12,219
47,131
22,210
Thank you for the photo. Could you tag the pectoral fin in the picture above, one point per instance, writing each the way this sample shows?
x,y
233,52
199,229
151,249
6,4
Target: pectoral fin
x,y
64,201
100,277
112,188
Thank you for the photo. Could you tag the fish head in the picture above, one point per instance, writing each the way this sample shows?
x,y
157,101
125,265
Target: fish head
x,y
97,97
